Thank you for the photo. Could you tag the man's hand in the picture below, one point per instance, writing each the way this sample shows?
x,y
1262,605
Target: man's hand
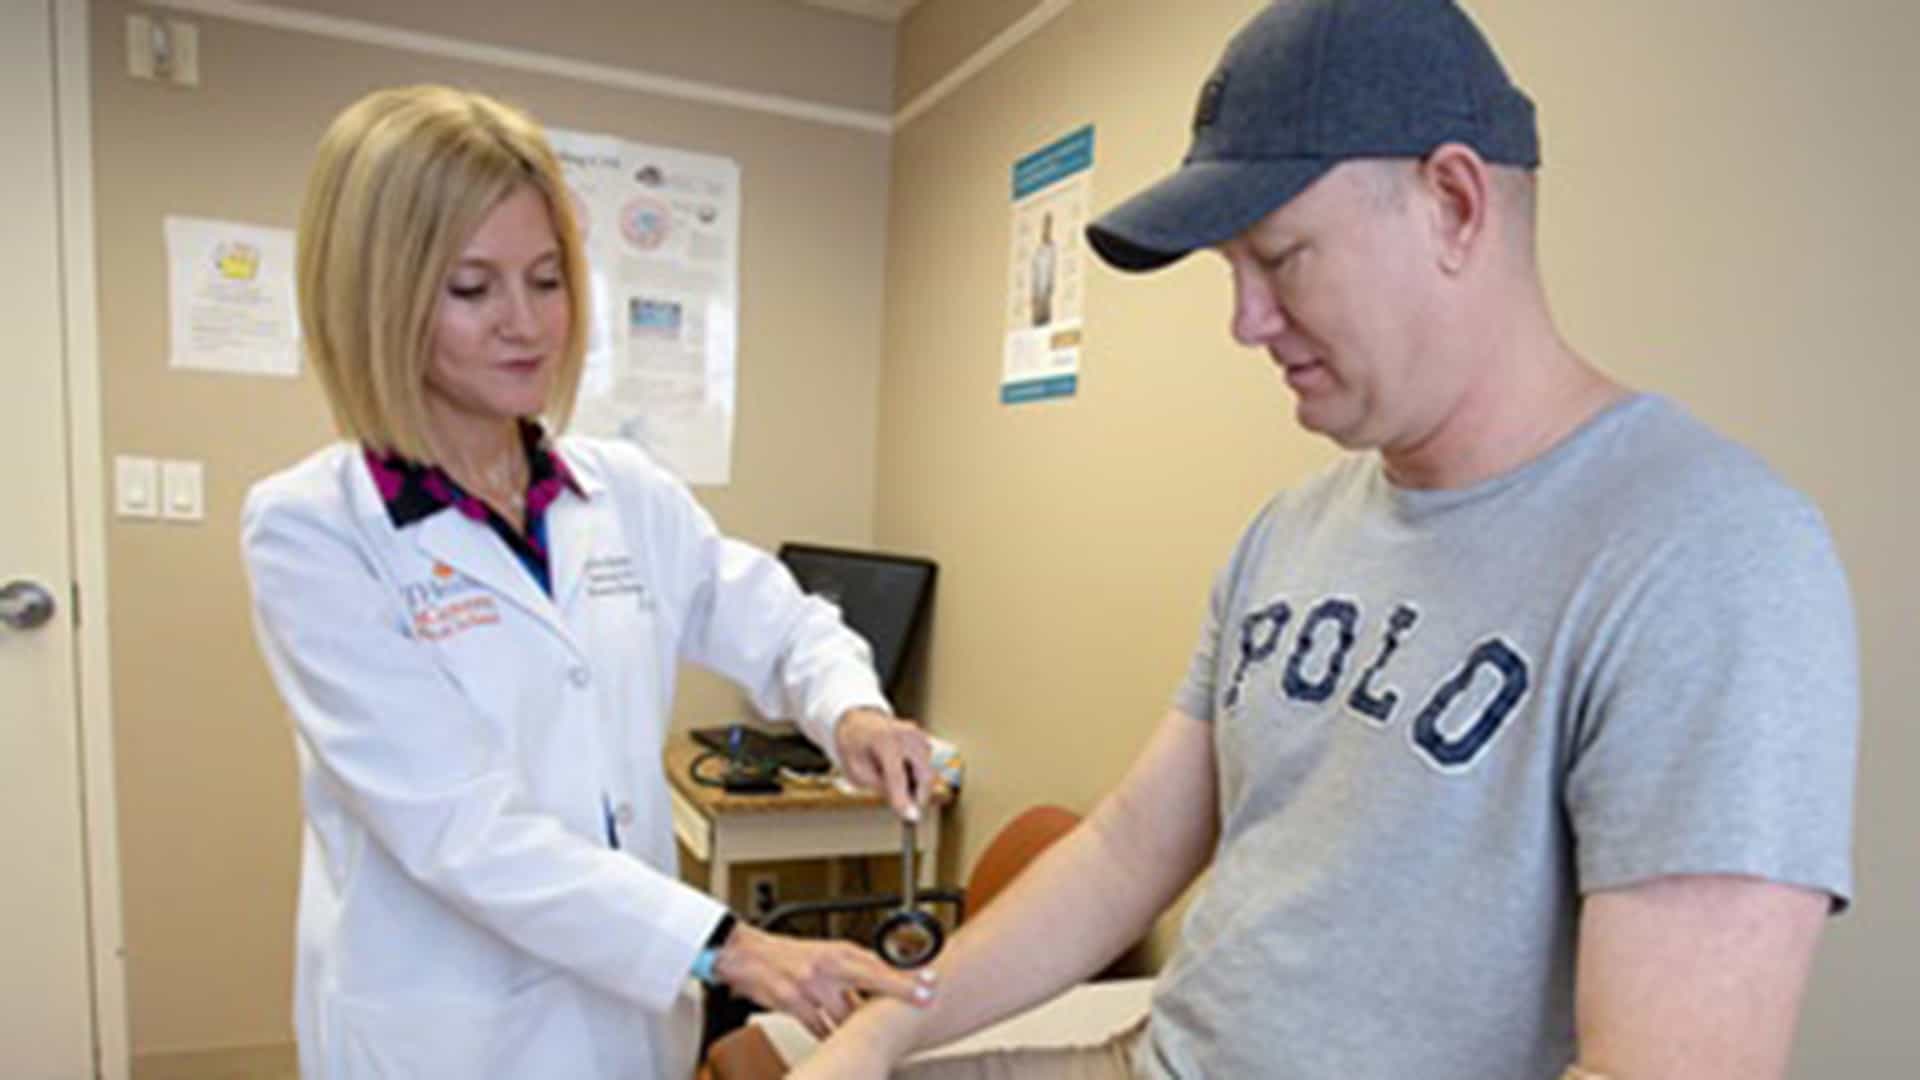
x,y
889,755
816,982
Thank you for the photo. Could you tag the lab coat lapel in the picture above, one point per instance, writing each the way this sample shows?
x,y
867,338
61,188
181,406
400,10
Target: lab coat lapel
x,y
572,525
575,522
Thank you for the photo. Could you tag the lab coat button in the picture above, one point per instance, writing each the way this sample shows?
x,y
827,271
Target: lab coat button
x,y
623,814
580,677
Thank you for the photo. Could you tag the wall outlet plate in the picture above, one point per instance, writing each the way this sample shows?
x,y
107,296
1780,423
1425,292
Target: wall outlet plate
x,y
763,893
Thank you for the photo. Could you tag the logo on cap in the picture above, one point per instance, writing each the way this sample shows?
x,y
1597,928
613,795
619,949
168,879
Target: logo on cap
x,y
1208,110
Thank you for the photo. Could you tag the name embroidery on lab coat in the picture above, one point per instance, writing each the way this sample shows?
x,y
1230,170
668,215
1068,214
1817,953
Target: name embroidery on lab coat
x,y
447,604
616,575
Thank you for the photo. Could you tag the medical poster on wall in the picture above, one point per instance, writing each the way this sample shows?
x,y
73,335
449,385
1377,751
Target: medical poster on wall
x,y
231,298
1046,280
662,232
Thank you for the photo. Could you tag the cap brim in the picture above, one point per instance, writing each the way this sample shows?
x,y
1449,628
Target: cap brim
x,y
1201,204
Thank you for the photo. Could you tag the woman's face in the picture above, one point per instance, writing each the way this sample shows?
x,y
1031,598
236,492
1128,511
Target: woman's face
x,y
501,321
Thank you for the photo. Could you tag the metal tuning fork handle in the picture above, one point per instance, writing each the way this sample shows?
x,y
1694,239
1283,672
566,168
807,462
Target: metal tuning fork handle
x,y
910,937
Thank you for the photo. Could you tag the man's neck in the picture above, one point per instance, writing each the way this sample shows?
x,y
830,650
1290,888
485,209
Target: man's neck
x,y
1531,395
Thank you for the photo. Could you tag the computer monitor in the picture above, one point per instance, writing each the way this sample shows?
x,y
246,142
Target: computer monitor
x,y
882,597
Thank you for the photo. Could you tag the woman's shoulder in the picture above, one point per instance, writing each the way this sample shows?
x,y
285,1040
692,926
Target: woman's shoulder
x,y
319,481
617,464
309,507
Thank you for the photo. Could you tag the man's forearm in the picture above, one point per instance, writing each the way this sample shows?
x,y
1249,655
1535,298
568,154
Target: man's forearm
x,y
1079,905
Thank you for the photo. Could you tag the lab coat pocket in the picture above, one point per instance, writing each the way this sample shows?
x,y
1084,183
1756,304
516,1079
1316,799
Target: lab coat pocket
x,y
536,1032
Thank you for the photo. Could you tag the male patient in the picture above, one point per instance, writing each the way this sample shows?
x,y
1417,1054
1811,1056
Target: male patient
x,y
1519,742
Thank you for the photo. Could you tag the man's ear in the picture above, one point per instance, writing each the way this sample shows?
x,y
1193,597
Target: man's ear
x,y
1458,184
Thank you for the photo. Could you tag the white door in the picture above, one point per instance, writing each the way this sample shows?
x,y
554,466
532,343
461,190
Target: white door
x,y
46,1028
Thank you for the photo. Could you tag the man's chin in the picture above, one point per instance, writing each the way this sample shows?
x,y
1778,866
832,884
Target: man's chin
x,y
1318,418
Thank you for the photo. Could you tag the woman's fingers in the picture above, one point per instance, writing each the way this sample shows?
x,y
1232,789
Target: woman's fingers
x,y
884,753
893,768
859,970
818,983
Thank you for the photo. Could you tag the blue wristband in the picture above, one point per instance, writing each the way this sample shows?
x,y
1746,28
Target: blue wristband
x,y
710,953
703,966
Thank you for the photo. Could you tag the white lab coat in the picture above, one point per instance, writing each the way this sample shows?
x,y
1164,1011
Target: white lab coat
x,y
462,738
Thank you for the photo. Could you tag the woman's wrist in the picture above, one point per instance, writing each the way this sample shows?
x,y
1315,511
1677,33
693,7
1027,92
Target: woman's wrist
x,y
736,950
707,961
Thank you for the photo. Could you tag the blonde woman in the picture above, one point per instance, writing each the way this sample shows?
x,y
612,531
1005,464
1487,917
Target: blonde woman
x,y
476,622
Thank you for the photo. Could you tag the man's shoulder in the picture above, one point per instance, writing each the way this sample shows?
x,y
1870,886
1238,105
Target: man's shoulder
x,y
1665,488
1678,467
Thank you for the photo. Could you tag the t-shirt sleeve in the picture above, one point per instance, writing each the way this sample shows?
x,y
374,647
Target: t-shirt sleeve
x,y
1720,729
1195,695
1198,691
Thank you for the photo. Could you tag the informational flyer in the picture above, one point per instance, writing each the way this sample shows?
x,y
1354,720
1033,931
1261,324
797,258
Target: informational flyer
x,y
662,231
1046,278
231,298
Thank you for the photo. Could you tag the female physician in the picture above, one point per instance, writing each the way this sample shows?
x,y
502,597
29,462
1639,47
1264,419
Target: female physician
x,y
476,626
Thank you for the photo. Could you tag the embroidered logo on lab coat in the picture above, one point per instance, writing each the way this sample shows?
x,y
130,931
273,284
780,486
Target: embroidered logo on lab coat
x,y
448,603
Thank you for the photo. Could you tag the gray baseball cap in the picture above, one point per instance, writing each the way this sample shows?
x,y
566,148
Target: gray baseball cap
x,y
1306,85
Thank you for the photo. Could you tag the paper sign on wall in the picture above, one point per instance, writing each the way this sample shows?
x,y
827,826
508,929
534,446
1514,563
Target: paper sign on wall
x,y
231,298
1045,280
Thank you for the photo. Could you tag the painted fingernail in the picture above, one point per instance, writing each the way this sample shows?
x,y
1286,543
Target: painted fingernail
x,y
923,994
929,975
912,814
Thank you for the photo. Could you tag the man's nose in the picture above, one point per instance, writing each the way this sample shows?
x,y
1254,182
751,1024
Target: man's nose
x,y
1257,314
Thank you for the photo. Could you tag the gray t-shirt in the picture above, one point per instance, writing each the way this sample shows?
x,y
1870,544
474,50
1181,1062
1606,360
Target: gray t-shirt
x,y
1440,716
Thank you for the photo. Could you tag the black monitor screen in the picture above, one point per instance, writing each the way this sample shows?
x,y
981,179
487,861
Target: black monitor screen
x,y
881,597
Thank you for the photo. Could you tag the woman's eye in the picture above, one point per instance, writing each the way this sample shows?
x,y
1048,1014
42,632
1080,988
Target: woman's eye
x,y
548,284
462,291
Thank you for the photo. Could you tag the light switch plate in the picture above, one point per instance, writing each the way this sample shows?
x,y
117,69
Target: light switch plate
x,y
140,31
136,487
186,53
182,490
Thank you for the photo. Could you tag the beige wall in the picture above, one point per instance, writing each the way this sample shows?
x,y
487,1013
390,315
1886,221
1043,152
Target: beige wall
x,y
1726,221
208,813
760,46
936,38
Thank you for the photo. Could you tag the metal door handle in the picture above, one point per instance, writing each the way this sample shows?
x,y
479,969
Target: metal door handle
x,y
25,605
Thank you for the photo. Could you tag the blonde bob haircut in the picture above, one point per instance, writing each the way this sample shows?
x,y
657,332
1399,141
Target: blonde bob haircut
x,y
402,180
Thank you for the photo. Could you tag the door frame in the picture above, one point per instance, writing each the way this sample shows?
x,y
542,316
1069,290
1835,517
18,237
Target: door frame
x,y
87,499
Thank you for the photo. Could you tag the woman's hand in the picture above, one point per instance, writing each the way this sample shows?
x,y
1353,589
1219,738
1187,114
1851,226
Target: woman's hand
x,y
889,755
816,982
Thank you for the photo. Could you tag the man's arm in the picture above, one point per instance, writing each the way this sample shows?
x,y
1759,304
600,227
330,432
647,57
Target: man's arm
x,y
1080,903
1695,977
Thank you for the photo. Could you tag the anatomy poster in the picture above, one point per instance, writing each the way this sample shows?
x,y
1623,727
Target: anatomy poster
x,y
662,231
1046,279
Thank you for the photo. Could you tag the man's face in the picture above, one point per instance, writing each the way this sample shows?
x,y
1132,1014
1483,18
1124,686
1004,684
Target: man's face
x,y
1336,286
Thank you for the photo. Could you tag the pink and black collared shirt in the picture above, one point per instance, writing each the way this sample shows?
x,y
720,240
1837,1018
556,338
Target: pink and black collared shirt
x,y
413,492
